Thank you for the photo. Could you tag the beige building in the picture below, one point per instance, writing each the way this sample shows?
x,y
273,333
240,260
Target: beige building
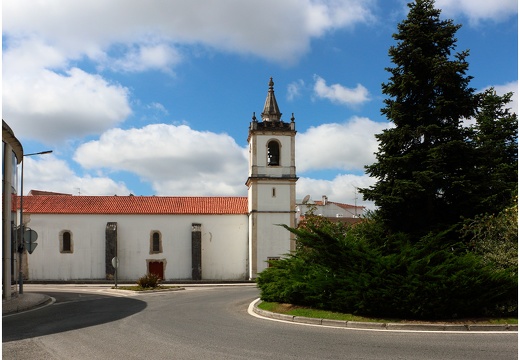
x,y
12,155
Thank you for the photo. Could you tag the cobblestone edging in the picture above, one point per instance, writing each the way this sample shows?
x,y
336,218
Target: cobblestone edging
x,y
384,326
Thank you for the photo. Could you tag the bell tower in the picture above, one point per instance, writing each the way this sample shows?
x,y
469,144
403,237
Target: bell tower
x,y
271,185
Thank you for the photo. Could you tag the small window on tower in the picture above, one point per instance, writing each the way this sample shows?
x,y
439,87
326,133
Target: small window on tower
x,y
273,153
274,192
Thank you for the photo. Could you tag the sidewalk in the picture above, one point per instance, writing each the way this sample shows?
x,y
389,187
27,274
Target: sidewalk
x,y
24,302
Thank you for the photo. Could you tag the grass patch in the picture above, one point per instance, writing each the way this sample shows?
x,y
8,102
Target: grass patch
x,y
139,288
295,310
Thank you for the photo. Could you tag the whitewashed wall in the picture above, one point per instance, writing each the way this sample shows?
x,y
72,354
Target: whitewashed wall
x,y
224,246
274,240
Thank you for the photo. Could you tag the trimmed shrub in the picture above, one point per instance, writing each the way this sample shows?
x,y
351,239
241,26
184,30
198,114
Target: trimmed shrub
x,y
346,269
149,281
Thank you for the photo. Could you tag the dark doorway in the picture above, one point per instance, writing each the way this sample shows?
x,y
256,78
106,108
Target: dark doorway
x,y
156,268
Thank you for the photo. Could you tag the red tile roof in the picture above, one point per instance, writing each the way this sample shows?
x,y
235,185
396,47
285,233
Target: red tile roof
x,y
52,204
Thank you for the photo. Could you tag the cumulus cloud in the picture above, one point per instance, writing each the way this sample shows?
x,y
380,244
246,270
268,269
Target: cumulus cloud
x,y
340,94
347,146
176,160
260,28
52,100
52,107
479,10
145,57
51,174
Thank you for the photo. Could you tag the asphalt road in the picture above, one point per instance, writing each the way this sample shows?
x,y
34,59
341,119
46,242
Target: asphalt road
x,y
213,323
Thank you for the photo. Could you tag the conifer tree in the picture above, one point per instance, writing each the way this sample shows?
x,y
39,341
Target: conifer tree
x,y
423,161
496,141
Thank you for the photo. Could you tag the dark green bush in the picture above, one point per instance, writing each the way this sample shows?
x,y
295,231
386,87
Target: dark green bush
x,y
362,270
149,281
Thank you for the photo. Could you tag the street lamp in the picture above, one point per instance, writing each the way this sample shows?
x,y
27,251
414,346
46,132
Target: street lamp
x,y
20,237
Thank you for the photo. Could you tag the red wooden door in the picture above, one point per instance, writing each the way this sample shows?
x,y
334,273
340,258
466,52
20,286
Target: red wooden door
x,y
156,267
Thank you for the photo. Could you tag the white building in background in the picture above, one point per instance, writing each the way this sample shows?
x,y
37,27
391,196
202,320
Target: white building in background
x,y
177,238
334,211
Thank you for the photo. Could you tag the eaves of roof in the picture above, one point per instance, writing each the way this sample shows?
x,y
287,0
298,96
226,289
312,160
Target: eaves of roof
x,y
138,205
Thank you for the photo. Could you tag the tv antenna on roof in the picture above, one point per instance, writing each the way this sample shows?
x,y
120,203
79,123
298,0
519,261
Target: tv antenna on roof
x,y
355,200
306,199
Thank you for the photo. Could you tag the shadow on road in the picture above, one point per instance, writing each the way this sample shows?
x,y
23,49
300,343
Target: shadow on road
x,y
69,316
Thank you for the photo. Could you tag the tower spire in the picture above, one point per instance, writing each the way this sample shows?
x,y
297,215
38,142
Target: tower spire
x,y
271,111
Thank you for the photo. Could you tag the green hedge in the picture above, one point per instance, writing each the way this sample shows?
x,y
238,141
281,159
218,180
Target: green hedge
x,y
363,271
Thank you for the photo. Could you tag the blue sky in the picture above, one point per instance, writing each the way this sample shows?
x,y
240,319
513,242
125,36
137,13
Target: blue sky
x,y
155,98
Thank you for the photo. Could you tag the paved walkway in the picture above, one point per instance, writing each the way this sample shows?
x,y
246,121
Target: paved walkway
x,y
24,302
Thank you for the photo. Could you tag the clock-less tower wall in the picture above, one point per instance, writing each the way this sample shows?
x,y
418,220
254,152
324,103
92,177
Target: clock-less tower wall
x,y
271,185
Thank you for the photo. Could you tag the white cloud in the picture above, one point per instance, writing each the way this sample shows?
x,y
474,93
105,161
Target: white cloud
x,y
158,107
176,160
340,94
51,174
294,88
347,146
507,88
272,29
30,56
479,10
47,99
52,107
146,57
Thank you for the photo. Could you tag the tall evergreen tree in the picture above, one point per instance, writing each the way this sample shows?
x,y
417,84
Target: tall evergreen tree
x,y
496,141
423,161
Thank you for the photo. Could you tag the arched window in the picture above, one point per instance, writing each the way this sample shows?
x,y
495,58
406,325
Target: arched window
x,y
273,153
66,244
155,242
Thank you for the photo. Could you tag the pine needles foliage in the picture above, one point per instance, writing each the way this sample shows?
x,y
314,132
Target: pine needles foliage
x,y
346,269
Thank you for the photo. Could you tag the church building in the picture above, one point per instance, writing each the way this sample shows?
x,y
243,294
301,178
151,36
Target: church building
x,y
177,238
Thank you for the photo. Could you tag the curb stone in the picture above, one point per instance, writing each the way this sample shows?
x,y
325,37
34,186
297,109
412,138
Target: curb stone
x,y
384,326
24,302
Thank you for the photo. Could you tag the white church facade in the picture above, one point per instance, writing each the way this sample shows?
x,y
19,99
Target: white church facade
x,y
177,238
199,238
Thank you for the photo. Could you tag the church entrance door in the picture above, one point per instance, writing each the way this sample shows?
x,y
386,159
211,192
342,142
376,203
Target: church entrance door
x,y
156,268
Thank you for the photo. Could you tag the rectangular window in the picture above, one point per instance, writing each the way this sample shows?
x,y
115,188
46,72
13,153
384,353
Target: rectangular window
x,y
274,192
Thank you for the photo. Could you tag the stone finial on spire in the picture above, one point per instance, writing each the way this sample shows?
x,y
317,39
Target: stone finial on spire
x,y
271,111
